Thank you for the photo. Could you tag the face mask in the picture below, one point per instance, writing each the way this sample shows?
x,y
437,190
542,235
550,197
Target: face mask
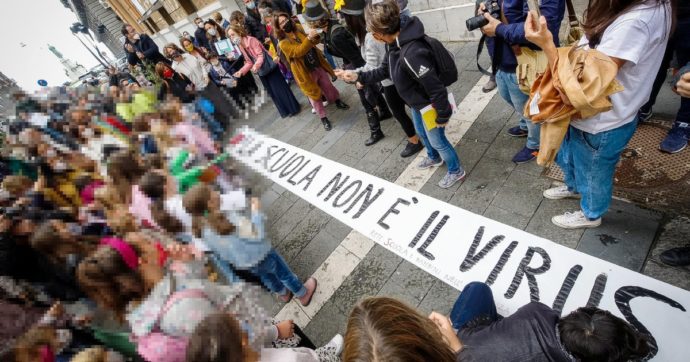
x,y
88,132
289,27
201,25
174,54
212,32
168,73
4,195
136,36
74,228
189,48
215,62
51,153
60,166
64,338
236,41
251,5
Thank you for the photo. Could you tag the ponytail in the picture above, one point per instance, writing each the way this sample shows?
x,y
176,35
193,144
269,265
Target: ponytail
x,y
152,184
195,201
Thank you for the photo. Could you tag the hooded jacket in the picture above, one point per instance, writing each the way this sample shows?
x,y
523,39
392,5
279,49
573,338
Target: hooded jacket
x,y
415,76
200,38
340,43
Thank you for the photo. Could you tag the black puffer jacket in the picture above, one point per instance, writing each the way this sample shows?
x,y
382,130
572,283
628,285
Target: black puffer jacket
x,y
252,22
415,77
529,334
340,43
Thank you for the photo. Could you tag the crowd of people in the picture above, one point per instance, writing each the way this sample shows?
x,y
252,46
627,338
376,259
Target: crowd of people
x,y
121,199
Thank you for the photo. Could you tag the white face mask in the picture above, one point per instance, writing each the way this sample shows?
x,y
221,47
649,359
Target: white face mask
x,y
88,133
64,338
201,25
136,36
212,32
215,62
4,195
51,153
60,166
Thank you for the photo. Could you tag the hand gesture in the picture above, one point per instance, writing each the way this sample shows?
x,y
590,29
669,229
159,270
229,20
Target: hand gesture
x,y
140,55
313,34
237,74
446,328
536,30
286,329
255,204
683,86
359,85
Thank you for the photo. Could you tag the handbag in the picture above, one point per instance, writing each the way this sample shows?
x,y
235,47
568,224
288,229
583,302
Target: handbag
x,y
267,66
532,63
159,347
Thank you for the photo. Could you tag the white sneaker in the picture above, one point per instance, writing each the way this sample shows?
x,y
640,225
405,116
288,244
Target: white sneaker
x,y
313,111
336,344
574,220
325,103
560,192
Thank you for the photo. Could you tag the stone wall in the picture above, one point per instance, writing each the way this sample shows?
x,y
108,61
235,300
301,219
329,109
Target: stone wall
x,y
445,19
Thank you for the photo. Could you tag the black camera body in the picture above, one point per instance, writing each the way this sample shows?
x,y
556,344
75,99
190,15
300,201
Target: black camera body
x,y
492,7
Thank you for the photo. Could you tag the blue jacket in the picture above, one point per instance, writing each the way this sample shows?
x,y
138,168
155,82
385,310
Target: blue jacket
x,y
513,33
242,253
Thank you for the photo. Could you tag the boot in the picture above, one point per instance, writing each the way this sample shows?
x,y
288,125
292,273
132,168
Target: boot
x,y
384,113
341,105
326,124
375,128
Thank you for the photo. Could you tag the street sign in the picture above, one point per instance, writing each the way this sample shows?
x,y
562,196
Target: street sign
x,y
42,82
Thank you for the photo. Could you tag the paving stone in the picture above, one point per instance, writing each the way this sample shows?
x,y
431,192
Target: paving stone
x,y
350,144
441,298
521,193
490,122
328,322
337,229
633,209
470,152
300,236
278,189
284,225
678,276
482,185
541,224
278,209
310,258
367,278
348,161
412,281
530,168
675,234
504,146
622,239
506,217
268,198
394,165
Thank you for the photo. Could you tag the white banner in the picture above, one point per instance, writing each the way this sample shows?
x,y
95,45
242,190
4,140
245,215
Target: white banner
x,y
458,246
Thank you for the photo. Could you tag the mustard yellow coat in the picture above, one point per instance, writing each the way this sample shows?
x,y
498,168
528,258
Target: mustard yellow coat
x,y
295,50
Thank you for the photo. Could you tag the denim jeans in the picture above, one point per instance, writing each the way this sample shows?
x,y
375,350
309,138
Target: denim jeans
x,y
589,162
475,301
277,276
329,58
436,144
510,91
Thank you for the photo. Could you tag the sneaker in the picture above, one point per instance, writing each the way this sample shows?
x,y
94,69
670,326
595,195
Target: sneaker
x,y
677,138
517,132
560,192
285,298
310,284
313,111
427,163
574,220
525,155
335,344
489,86
450,179
643,115
325,104
676,256
411,149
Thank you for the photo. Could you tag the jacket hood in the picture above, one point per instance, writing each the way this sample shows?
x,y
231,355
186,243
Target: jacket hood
x,y
411,28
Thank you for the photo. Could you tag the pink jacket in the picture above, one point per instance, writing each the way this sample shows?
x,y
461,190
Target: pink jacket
x,y
251,49
194,135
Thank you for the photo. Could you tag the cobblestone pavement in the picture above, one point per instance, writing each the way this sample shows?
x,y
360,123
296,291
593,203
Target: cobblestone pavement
x,y
495,187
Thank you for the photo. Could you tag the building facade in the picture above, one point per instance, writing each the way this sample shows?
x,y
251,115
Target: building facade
x,y
7,88
152,16
104,23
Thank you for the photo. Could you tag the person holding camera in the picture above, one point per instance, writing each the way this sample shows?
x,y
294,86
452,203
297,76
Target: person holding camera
x,y
504,29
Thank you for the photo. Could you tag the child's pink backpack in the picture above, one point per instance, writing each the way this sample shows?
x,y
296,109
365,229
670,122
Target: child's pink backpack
x,y
159,347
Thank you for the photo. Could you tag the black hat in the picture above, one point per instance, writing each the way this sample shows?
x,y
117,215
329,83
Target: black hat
x,y
353,7
314,11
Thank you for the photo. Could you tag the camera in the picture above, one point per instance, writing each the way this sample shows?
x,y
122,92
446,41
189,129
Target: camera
x,y
492,7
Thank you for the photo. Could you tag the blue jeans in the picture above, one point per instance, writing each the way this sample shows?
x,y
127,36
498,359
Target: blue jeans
x,y
436,144
510,91
475,301
329,58
277,276
589,161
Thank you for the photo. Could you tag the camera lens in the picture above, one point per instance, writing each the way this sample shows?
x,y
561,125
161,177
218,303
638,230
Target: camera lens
x,y
476,22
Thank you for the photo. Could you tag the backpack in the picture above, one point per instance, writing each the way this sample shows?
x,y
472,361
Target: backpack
x,y
159,347
443,59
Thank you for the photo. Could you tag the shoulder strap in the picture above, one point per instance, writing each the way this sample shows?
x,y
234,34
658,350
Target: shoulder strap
x,y
572,15
174,298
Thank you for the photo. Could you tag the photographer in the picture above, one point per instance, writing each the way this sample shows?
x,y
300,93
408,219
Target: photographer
x,y
505,37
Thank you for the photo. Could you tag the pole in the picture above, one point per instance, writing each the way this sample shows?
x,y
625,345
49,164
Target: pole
x,y
90,51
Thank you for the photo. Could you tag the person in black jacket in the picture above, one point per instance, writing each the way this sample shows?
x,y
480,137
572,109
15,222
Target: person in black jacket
x,y
174,84
200,39
416,80
252,22
339,42
145,48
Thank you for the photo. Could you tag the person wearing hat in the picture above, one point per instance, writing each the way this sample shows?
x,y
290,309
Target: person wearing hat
x,y
309,67
338,41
